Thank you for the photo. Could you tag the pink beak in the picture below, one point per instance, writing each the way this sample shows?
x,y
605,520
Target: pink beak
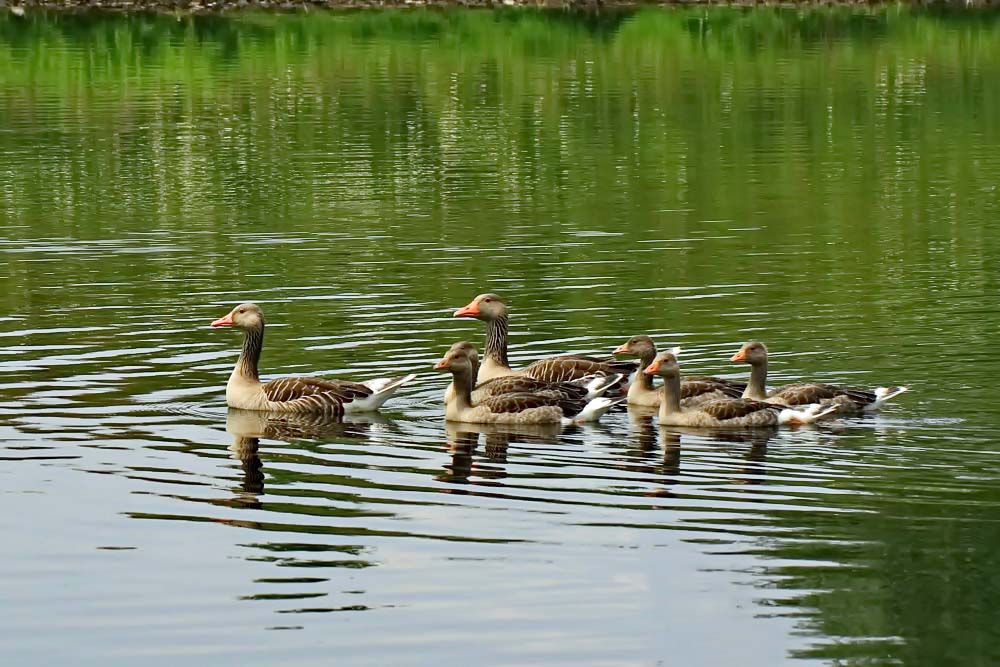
x,y
621,349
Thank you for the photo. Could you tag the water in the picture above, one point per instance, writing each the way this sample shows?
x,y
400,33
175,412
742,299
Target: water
x,y
822,180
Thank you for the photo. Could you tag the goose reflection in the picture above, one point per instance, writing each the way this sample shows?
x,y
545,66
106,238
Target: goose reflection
x,y
463,439
247,427
751,444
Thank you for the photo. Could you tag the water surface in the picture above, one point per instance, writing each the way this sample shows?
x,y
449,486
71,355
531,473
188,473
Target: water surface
x,y
822,180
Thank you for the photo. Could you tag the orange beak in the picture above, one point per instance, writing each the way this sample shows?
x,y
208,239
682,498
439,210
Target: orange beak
x,y
621,349
472,310
443,364
226,321
739,356
652,368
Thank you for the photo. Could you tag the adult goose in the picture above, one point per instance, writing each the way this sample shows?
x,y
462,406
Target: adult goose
x,y
492,310
695,390
722,412
586,388
540,407
847,400
294,394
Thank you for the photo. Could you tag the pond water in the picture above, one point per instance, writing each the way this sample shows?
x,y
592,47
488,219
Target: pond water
x,y
823,180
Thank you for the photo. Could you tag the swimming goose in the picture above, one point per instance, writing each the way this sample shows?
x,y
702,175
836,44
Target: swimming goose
x,y
722,412
846,399
492,310
294,394
587,388
513,408
695,390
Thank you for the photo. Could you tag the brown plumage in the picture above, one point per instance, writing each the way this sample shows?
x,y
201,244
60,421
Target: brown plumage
x,y
492,310
548,405
845,399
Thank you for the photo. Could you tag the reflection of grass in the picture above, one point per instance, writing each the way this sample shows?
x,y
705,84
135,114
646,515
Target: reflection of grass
x,y
145,49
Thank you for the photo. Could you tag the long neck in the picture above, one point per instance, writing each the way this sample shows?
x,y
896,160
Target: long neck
x,y
645,359
757,387
671,402
463,381
253,341
496,341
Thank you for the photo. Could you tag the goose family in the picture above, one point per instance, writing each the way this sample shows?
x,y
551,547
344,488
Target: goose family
x,y
722,412
694,390
557,390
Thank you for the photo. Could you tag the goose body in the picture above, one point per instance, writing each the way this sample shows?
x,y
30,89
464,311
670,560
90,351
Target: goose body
x,y
492,310
695,390
548,405
311,395
846,400
721,412
587,387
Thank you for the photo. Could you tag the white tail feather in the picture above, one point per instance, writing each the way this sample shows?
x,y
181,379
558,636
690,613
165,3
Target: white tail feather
x,y
883,394
594,410
601,383
811,414
382,389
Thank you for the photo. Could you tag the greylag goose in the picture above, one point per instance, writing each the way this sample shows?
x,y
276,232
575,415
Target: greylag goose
x,y
849,400
722,412
294,394
515,408
492,310
586,388
695,390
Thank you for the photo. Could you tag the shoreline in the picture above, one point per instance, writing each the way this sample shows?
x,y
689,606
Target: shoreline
x,y
18,7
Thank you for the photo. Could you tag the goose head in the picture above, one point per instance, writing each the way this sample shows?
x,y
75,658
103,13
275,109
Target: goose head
x,y
460,358
636,346
243,316
665,364
753,353
486,307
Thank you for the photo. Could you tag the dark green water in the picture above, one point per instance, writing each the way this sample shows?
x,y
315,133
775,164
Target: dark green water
x,y
825,180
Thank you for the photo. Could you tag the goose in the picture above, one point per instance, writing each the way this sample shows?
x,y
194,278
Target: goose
x,y
492,309
722,412
695,390
294,394
848,400
514,408
588,387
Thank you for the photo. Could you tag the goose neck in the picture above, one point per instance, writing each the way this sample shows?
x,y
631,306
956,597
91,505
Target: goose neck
x,y
671,402
757,387
253,342
496,341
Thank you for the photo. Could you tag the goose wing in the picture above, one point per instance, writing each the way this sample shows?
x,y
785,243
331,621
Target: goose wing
x,y
520,402
284,390
697,386
574,367
516,384
727,408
